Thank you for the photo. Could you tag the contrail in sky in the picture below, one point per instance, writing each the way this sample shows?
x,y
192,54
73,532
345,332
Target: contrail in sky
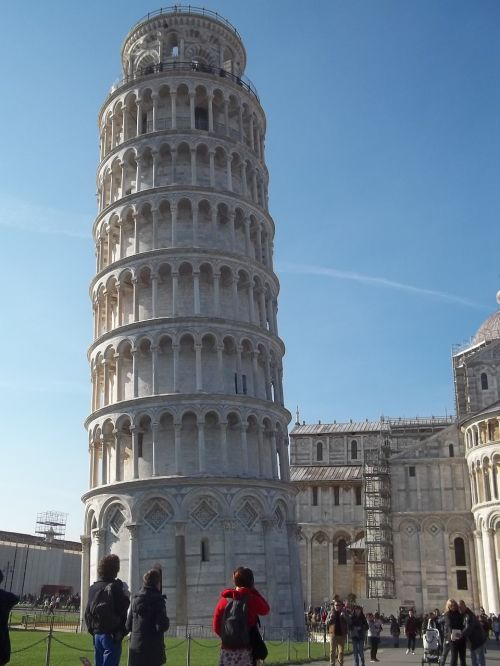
x,y
305,269
27,216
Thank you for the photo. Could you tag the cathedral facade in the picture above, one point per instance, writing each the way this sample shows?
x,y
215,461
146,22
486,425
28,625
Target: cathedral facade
x,y
441,536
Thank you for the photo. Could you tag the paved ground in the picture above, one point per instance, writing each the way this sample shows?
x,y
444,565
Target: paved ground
x,y
397,656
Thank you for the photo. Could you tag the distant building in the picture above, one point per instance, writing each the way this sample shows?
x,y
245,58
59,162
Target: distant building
x,y
402,509
30,564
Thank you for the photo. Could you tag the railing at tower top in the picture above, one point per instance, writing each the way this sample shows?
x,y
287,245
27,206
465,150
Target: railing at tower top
x,y
191,66
187,9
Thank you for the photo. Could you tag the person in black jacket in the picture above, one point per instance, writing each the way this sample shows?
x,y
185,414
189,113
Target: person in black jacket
x,y
453,629
148,621
411,628
474,633
359,627
7,601
106,612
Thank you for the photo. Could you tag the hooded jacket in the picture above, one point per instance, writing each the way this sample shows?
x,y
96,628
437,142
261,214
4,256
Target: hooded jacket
x,y
473,630
257,605
147,621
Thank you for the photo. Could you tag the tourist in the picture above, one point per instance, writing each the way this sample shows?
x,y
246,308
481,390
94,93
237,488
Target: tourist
x,y
395,631
106,612
411,628
236,648
454,626
475,635
147,622
7,601
337,627
495,627
374,629
359,627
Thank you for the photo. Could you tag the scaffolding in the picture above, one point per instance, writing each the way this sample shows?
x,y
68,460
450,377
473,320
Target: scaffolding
x,y
51,525
379,550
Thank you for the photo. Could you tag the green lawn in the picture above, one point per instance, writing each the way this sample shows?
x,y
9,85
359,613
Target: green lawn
x,y
204,652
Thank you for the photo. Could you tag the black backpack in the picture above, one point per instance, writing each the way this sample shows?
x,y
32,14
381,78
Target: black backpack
x,y
105,620
234,626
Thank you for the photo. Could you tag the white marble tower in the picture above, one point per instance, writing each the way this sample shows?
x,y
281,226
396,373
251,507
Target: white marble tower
x,y
188,432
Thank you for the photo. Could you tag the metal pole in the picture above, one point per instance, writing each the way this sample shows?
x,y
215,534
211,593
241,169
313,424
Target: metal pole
x,y
288,656
25,565
188,654
308,644
49,641
13,570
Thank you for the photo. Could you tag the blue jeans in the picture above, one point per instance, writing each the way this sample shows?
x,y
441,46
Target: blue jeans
x,y
358,645
478,657
107,651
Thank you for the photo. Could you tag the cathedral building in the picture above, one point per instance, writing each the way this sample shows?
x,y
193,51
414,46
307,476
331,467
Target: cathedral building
x,y
188,442
407,509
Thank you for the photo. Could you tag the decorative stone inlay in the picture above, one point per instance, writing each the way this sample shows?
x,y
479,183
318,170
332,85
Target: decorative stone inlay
x,y
409,529
116,521
156,517
204,515
433,529
279,518
247,515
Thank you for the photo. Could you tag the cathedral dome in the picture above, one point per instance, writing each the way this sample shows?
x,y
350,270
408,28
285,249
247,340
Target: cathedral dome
x,y
489,329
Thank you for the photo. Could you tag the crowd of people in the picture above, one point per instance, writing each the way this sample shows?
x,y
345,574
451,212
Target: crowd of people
x,y
49,603
447,633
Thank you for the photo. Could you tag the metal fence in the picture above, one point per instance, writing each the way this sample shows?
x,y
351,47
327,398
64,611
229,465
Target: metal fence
x,y
188,639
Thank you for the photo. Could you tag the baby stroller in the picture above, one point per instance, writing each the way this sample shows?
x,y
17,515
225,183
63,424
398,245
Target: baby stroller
x,y
432,646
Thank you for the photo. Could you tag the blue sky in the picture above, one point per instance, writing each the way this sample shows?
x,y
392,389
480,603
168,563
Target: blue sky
x,y
382,145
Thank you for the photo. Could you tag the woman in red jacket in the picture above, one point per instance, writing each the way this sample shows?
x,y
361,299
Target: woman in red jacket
x,y
238,653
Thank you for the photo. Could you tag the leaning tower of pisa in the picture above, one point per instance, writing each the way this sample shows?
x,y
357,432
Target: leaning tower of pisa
x,y
188,431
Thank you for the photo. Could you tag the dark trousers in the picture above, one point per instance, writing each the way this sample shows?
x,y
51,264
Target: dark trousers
x,y
411,642
374,643
457,650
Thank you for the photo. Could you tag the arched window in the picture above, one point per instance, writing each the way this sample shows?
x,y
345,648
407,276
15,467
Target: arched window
x,y
451,450
484,381
204,550
342,551
319,451
459,552
354,449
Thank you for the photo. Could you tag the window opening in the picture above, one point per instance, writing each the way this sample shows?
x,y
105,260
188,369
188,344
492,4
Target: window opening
x,y
175,51
342,551
244,384
451,450
201,118
236,382
459,553
358,496
336,495
315,496
204,551
462,580
484,381
411,471
319,451
354,450
140,441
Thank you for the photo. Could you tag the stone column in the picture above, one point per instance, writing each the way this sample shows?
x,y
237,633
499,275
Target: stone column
x,y
224,448
217,294
116,434
229,159
193,166
173,213
196,292
154,434
201,446
154,97
104,462
99,536
260,437
473,574
175,284
154,213
269,551
135,451
248,242
135,374
154,295
226,117
180,574
255,374
210,113
133,561
175,367
244,448
199,372
274,455
173,107
173,153
211,155
483,597
229,539
85,581
177,448
195,223
154,368
491,571
191,110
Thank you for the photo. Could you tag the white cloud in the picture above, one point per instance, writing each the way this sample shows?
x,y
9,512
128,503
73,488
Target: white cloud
x,y
374,281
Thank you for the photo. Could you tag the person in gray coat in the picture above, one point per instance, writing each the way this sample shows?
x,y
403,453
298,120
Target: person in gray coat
x,y
147,622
